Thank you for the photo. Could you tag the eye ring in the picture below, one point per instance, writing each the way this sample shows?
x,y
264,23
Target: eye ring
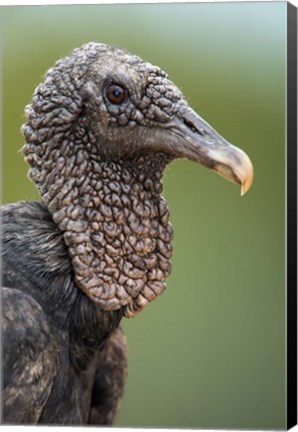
x,y
116,94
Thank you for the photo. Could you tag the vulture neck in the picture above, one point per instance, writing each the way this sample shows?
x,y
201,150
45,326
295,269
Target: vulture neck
x,y
115,225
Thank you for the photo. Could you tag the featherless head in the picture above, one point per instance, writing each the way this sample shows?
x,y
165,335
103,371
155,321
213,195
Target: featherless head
x,y
99,132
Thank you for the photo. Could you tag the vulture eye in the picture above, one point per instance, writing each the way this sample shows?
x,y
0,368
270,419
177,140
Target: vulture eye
x,y
116,94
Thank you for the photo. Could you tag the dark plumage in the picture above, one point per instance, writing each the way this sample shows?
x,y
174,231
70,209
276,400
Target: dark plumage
x,y
99,133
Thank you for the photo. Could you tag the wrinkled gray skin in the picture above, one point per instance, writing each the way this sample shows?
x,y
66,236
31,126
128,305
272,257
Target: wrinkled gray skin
x,y
98,245
92,162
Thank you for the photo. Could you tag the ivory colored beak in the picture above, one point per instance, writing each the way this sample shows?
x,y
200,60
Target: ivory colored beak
x,y
198,141
234,165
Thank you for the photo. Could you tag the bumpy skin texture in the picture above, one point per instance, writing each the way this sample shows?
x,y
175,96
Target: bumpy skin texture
x,y
103,192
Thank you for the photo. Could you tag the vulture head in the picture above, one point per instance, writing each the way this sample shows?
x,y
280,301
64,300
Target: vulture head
x,y
99,133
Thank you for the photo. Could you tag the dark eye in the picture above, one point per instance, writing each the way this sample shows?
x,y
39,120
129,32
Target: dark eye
x,y
116,94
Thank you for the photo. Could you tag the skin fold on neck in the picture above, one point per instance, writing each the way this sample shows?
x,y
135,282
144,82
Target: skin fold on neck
x,y
115,224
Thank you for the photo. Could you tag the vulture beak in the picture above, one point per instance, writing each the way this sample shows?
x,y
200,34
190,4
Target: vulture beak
x,y
199,142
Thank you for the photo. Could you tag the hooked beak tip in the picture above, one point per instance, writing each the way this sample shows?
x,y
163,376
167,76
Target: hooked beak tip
x,y
245,186
234,165
247,174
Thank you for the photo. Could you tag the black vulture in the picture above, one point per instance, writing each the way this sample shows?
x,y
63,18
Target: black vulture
x,y
97,246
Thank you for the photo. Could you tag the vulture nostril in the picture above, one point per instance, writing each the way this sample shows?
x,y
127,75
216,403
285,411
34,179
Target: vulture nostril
x,y
192,127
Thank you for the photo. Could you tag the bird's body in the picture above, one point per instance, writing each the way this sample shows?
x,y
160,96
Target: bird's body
x,y
57,345
99,133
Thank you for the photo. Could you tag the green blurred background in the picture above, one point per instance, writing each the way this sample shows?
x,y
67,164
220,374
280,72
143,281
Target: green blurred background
x,y
210,352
